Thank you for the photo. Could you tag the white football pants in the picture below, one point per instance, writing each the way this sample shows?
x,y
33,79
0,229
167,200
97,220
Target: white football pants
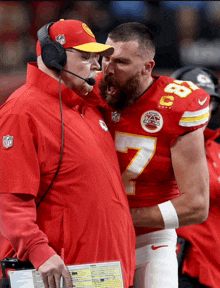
x,y
156,260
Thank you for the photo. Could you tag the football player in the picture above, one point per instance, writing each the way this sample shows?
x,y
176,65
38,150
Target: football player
x,y
157,124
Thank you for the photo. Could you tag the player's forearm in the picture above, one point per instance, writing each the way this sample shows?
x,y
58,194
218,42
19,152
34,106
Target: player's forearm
x,y
147,217
189,210
192,210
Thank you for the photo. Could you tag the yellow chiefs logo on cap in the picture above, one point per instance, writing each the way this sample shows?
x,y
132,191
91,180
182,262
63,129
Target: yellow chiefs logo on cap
x,y
88,31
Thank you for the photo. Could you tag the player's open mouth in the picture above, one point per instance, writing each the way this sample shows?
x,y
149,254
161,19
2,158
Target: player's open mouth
x,y
111,90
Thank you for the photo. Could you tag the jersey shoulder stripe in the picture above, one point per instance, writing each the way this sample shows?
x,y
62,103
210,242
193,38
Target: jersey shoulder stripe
x,y
194,118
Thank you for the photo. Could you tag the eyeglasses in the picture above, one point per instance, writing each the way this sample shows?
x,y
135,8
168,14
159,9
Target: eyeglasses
x,y
86,56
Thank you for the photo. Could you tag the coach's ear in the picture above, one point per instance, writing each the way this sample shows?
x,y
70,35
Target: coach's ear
x,y
148,67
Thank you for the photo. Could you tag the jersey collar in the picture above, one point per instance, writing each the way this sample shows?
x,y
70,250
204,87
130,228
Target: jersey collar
x,y
50,86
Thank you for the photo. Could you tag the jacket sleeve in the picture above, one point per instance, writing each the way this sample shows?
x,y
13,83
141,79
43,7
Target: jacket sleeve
x,y
18,225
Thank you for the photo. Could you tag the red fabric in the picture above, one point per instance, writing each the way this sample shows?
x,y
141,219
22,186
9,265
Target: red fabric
x,y
144,153
68,28
5,251
14,209
86,212
203,257
73,33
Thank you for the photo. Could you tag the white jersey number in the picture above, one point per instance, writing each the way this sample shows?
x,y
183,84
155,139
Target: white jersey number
x,y
145,146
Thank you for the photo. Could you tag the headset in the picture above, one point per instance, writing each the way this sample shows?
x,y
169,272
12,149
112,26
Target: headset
x,y
189,73
53,54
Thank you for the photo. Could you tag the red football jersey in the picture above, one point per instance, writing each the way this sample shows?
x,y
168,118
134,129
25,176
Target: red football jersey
x,y
146,130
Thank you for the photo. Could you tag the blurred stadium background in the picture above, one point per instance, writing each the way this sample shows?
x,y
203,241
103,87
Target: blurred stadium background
x,y
187,32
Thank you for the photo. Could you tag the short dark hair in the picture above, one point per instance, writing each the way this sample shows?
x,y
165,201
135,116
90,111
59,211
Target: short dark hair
x,y
133,31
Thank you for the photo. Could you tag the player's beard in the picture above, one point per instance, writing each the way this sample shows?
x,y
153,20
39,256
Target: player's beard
x,y
124,95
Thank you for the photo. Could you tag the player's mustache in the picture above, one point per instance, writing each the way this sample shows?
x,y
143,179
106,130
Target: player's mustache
x,y
109,79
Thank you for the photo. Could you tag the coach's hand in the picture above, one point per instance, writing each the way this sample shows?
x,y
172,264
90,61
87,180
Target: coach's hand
x,y
52,270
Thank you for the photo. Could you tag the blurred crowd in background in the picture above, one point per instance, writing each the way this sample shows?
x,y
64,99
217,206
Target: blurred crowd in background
x,y
187,32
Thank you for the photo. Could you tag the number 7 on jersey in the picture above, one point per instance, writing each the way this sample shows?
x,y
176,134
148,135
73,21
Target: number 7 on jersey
x,y
146,148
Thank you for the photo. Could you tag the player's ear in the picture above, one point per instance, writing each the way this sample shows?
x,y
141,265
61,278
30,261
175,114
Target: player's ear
x,y
148,66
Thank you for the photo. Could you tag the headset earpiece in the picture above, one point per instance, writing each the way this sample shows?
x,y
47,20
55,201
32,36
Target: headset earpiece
x,y
52,52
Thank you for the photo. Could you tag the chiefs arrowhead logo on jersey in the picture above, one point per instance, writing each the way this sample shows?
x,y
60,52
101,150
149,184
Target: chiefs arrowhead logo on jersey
x,y
103,125
152,121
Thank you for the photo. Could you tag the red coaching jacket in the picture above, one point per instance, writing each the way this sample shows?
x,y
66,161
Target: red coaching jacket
x,y
86,212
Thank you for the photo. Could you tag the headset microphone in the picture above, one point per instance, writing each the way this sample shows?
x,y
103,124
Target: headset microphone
x,y
90,81
54,57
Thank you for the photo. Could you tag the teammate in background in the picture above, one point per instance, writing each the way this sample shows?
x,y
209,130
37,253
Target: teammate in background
x,y
85,216
201,259
157,124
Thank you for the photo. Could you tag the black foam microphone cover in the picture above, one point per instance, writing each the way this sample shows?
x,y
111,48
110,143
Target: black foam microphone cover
x,y
90,81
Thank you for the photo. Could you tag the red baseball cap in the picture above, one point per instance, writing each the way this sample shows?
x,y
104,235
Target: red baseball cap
x,y
76,34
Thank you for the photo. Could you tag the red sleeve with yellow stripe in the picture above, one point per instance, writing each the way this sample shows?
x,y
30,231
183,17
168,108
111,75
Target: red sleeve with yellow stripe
x,y
191,103
197,112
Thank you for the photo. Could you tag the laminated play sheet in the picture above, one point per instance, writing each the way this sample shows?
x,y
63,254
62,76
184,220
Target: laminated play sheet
x,y
96,275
